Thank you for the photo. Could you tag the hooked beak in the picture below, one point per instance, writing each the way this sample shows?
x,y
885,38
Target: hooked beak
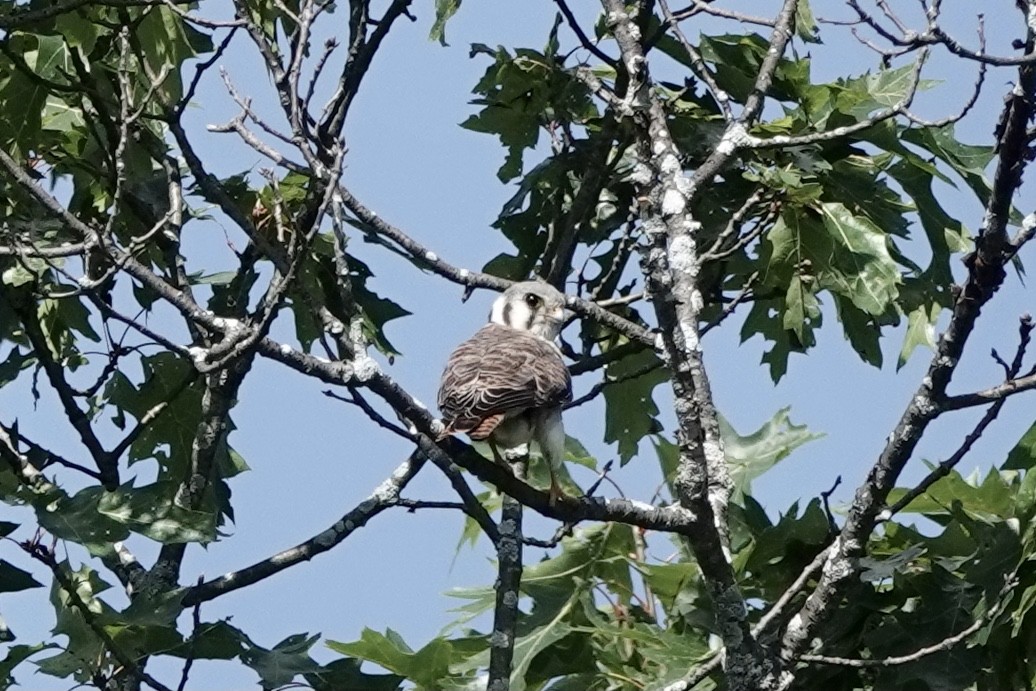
x,y
558,315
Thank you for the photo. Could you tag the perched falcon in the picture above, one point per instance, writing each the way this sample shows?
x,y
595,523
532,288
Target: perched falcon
x,y
507,383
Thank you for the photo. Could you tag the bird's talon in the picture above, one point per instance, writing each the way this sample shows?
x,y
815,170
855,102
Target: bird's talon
x,y
555,494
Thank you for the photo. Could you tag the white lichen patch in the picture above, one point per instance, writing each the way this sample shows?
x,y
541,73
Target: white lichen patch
x,y
713,449
673,203
641,505
670,165
124,555
641,174
923,404
198,354
682,251
735,136
365,368
227,324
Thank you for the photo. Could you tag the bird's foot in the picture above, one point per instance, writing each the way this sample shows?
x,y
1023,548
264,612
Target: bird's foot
x,y
555,493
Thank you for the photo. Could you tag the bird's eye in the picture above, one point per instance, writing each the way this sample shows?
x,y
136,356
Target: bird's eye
x,y
532,300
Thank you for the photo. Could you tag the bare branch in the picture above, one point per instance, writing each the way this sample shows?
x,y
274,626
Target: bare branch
x,y
584,40
356,399
188,662
13,438
600,386
563,237
730,307
424,258
943,469
24,470
565,529
361,53
996,393
704,7
596,362
383,497
697,62
151,415
31,251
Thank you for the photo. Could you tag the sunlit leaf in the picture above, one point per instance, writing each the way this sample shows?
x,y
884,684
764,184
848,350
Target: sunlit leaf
x,y
752,455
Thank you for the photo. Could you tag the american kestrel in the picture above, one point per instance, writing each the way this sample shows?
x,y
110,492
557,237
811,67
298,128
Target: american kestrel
x,y
508,383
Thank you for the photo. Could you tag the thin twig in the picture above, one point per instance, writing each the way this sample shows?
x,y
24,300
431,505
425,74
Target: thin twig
x,y
945,644
584,40
189,657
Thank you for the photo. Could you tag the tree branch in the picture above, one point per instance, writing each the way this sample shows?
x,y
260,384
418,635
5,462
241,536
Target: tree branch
x,y
985,275
46,557
380,230
508,582
383,497
946,644
671,264
107,468
944,468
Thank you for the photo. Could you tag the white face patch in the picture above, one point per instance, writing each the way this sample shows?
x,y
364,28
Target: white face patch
x,y
530,306
496,315
513,313
519,316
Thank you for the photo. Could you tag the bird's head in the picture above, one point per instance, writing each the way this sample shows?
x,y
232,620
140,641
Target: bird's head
x,y
531,306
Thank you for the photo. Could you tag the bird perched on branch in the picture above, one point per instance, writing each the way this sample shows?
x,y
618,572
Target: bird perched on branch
x,y
507,383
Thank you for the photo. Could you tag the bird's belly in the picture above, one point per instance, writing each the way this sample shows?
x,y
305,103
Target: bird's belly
x,y
515,430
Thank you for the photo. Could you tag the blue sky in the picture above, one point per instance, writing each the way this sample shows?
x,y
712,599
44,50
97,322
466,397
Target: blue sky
x,y
313,458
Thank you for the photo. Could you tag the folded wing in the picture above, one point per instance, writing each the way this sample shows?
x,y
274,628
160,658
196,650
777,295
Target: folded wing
x,y
500,371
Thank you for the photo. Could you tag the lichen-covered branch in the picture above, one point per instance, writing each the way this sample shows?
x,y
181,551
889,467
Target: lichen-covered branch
x,y
671,263
508,582
986,273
